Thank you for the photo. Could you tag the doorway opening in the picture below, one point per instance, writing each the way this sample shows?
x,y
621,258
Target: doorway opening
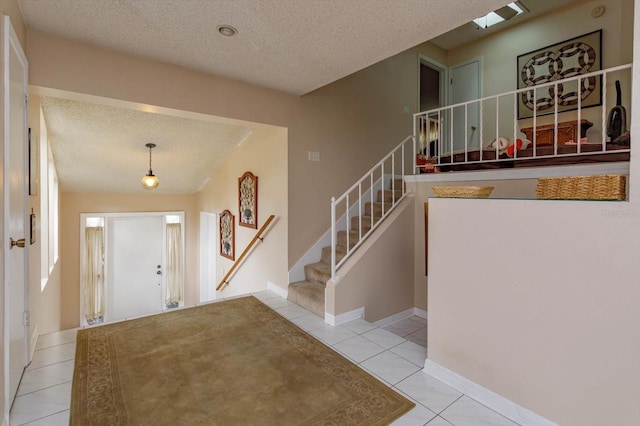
x,y
432,87
132,264
432,84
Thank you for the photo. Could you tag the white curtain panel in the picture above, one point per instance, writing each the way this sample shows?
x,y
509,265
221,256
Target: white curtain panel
x,y
94,273
174,273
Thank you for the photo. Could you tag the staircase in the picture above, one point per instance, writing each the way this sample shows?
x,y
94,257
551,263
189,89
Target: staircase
x,y
310,293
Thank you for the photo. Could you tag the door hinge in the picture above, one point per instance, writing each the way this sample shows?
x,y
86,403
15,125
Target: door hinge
x,y
26,318
26,101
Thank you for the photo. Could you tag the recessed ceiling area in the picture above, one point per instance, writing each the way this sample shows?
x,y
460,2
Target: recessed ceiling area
x,y
100,148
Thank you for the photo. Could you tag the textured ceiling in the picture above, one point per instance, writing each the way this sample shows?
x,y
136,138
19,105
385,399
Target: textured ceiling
x,y
101,148
291,45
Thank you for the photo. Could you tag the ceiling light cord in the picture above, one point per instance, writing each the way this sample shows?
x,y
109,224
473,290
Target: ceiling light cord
x,y
150,170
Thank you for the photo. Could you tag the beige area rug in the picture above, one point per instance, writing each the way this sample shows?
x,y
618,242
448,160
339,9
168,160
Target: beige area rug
x,y
228,363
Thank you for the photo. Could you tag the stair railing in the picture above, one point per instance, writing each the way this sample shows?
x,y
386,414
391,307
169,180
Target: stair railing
x,y
450,134
363,191
245,252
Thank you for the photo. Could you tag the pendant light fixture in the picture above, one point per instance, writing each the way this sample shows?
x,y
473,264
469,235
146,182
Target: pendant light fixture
x,y
149,181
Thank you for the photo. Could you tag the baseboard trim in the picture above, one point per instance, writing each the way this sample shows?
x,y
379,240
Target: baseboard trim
x,y
421,313
394,318
344,318
496,402
277,290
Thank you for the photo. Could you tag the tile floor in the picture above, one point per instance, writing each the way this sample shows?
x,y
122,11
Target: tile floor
x,y
394,354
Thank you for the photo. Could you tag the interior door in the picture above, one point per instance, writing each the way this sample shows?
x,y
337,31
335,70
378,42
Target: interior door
x,y
208,246
134,271
15,204
465,86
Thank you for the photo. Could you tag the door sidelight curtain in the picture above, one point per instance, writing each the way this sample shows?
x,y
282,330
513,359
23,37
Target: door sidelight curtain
x,y
174,269
94,274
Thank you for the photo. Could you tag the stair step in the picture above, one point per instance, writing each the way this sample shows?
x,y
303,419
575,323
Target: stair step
x,y
377,208
341,252
389,195
366,223
308,295
398,184
317,272
353,238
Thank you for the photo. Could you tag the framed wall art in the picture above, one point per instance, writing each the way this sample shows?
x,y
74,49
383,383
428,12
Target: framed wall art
x,y
570,58
248,200
227,235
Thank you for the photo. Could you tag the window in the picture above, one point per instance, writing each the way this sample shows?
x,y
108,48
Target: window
x,y
49,207
502,14
53,212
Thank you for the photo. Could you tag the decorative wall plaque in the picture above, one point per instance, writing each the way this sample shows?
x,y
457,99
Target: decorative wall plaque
x,y
227,235
570,58
248,200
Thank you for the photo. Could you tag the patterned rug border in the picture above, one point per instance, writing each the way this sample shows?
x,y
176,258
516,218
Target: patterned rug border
x,y
96,371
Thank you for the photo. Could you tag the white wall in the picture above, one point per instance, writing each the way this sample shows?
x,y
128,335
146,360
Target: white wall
x,y
422,191
544,309
264,153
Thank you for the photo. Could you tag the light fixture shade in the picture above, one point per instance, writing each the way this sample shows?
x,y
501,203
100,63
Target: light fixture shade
x,y
150,182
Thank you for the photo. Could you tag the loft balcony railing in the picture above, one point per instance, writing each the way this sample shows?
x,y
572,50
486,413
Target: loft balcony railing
x,y
466,133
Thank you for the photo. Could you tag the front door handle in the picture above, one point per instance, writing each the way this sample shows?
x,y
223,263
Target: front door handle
x,y
16,243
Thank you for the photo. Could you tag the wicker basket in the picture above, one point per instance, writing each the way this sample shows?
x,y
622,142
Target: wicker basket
x,y
462,191
602,187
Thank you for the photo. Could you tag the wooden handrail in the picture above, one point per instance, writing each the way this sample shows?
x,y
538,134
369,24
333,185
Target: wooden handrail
x,y
244,253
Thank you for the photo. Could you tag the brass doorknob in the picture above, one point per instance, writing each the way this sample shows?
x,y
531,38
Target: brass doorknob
x,y
18,243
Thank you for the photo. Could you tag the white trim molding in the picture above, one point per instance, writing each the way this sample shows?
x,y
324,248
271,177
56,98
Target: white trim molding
x,y
394,318
496,402
420,313
620,167
284,293
343,318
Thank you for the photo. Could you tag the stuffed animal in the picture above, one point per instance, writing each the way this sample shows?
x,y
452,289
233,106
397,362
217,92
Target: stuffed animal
x,y
501,144
506,146
512,147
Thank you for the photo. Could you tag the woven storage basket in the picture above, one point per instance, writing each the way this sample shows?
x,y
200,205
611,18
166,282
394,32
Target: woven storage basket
x,y
602,187
462,191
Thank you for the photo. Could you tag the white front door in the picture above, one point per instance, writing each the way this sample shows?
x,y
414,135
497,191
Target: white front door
x,y
465,86
134,266
15,184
